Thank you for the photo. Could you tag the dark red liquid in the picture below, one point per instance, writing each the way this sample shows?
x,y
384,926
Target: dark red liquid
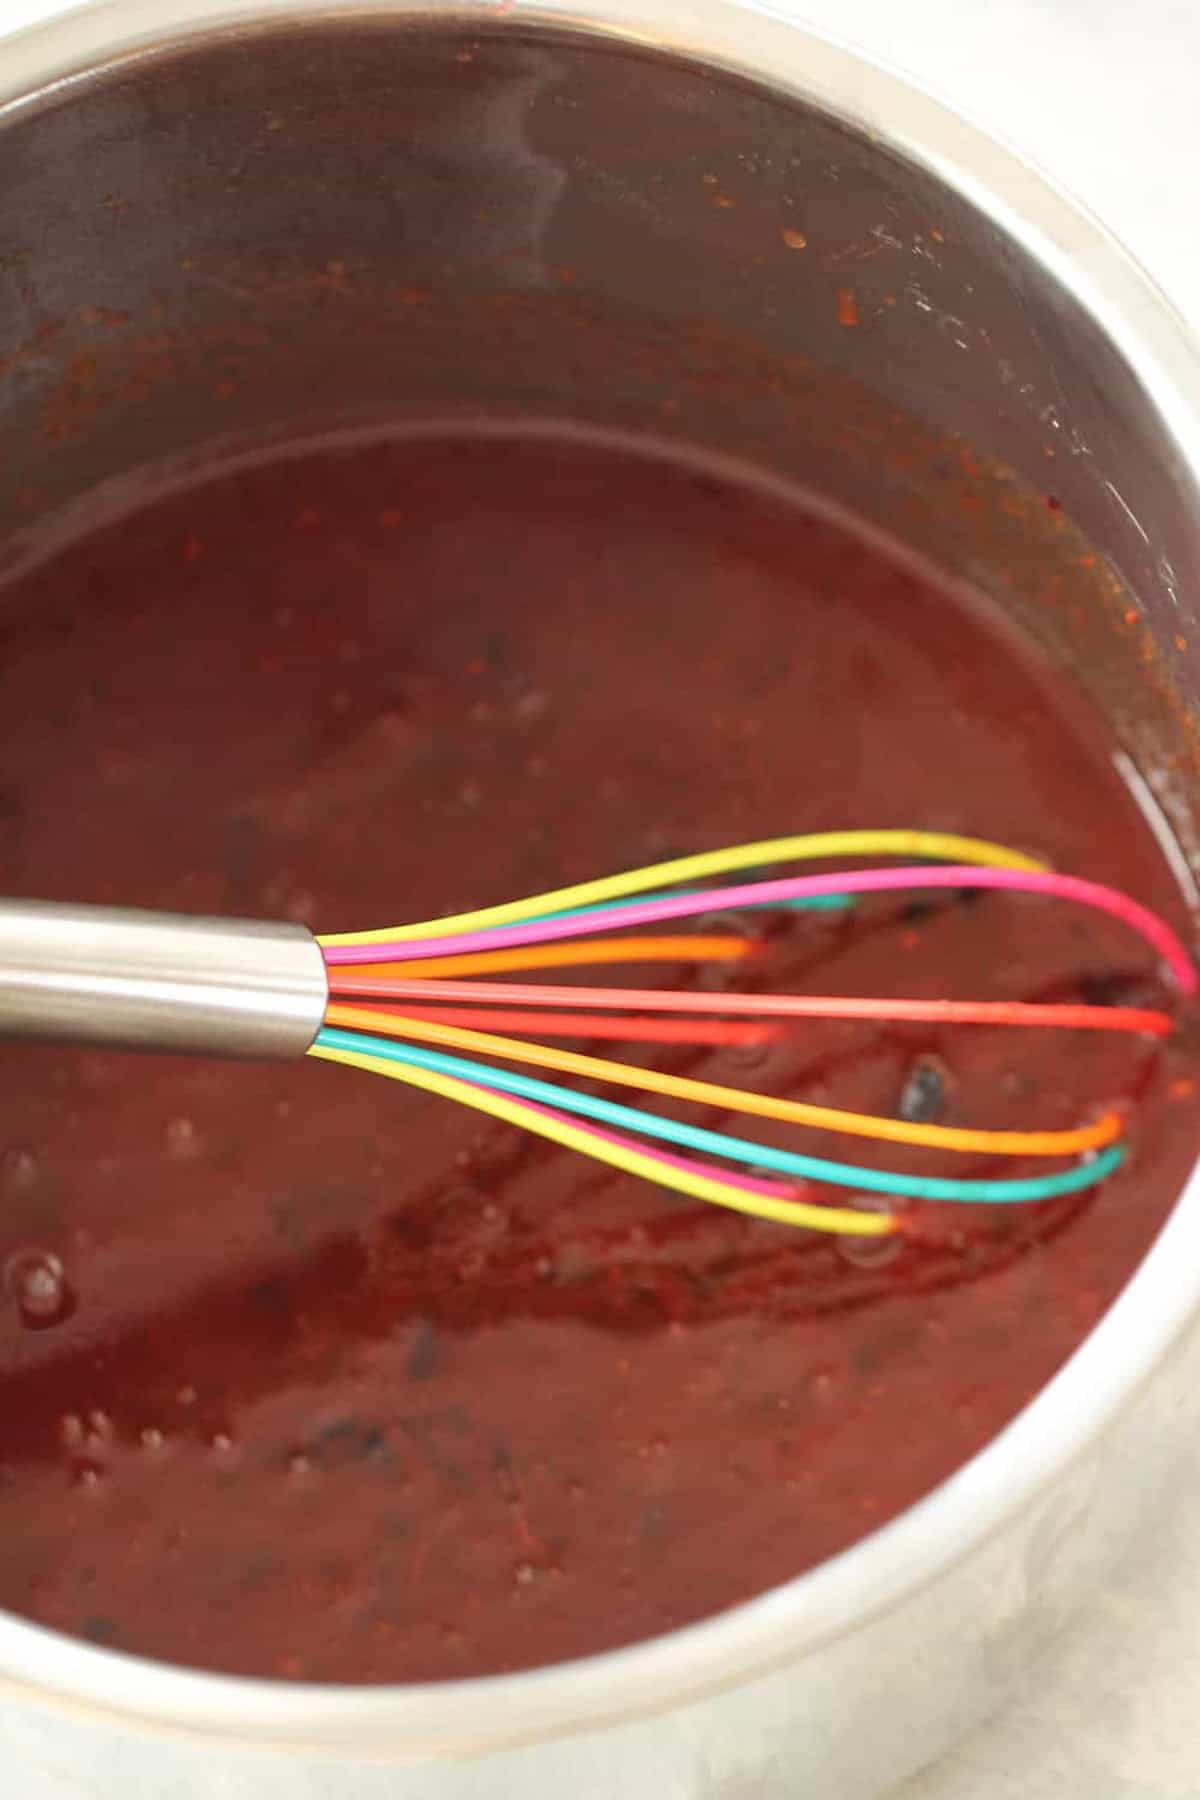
x,y
303,1374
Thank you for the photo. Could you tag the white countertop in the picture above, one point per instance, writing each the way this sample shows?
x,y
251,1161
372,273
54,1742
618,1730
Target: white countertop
x,y
1106,96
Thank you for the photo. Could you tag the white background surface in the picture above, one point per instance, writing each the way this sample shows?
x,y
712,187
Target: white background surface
x,y
1106,96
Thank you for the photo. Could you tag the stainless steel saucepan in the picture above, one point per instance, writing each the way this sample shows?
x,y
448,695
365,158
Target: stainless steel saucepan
x,y
223,220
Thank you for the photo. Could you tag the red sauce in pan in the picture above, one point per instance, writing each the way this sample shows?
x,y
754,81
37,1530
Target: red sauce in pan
x,y
304,1374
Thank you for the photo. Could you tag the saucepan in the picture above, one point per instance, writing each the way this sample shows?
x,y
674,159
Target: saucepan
x,y
227,220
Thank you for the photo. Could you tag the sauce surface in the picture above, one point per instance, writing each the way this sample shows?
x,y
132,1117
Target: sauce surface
x,y
302,1374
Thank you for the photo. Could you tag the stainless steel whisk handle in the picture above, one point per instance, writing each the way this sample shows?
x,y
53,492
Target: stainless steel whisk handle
x,y
158,981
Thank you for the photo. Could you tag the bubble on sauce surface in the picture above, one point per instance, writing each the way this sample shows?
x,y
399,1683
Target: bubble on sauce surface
x,y
182,1140
20,1171
869,1252
72,1433
100,1429
752,1054
530,706
36,1281
716,977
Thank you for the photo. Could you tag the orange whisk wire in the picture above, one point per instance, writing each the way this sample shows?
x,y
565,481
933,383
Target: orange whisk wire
x,y
583,953
1099,1132
596,1025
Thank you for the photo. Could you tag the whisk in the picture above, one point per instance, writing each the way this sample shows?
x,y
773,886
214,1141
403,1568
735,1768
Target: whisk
x,y
429,1005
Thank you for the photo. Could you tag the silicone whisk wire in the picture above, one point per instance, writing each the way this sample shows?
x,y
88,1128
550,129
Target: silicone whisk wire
x,y
700,1183
1156,932
416,969
1147,1020
1104,1130
583,953
412,1058
824,846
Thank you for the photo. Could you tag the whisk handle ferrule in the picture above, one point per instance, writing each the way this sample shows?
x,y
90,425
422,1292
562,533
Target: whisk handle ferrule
x,y
158,981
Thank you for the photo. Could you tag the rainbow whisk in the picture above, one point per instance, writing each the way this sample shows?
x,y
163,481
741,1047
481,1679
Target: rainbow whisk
x,y
433,1005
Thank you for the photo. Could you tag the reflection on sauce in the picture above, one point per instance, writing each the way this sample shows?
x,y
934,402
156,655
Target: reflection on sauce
x,y
301,1374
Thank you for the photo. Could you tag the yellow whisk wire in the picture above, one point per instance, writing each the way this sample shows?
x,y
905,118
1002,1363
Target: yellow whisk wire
x,y
844,1221
1102,1131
